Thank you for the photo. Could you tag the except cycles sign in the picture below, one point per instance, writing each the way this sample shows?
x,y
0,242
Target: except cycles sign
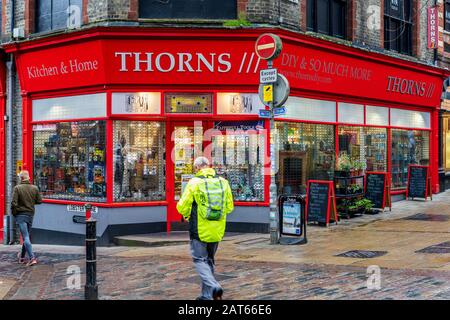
x,y
268,76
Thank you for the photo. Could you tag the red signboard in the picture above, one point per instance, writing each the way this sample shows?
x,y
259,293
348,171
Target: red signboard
x,y
219,60
433,24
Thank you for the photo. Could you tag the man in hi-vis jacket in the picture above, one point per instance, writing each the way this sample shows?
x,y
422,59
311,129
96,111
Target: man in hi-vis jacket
x,y
205,203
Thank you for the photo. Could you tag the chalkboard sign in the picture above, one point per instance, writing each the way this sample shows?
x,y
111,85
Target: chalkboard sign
x,y
321,202
376,185
419,182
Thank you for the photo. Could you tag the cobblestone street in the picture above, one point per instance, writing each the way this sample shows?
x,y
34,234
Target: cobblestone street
x,y
410,245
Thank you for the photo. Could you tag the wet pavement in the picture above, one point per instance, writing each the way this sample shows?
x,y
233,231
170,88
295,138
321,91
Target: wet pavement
x,y
410,246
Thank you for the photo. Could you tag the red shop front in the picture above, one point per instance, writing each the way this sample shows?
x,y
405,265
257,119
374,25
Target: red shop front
x,y
115,116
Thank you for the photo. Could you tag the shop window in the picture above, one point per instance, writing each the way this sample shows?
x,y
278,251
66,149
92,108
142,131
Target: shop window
x,y
70,107
188,103
193,9
398,26
136,103
238,103
55,14
351,113
70,160
139,161
365,146
238,154
447,15
447,143
410,119
327,17
306,152
377,116
310,110
408,147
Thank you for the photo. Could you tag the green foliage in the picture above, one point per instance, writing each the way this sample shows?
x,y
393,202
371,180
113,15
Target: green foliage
x,y
240,22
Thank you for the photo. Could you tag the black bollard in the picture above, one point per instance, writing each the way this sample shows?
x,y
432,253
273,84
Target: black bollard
x,y
91,288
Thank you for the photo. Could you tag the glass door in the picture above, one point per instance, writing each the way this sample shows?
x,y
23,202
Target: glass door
x,y
187,146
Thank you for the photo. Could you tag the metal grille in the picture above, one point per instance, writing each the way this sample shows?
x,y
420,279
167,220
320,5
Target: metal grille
x,y
408,147
70,160
376,149
306,151
428,217
238,155
362,254
139,165
440,248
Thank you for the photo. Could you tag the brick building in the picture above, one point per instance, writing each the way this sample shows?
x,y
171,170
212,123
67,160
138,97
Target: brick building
x,y
363,83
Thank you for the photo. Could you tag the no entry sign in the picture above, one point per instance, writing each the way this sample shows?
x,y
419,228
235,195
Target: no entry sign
x,y
268,46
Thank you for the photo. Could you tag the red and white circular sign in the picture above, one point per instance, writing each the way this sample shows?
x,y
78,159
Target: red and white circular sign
x,y
268,46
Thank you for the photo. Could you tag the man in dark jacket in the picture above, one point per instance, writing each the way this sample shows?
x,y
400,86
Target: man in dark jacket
x,y
25,197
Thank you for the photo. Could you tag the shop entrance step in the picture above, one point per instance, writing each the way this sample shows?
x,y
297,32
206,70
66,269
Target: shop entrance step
x,y
161,239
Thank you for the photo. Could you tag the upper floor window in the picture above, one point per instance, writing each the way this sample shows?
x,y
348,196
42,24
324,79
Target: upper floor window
x,y
57,14
447,15
327,17
398,26
193,9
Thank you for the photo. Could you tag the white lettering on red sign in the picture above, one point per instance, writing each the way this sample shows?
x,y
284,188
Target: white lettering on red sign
x,y
167,62
432,28
64,67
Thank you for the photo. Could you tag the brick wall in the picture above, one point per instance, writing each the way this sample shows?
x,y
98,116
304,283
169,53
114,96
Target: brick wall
x,y
368,23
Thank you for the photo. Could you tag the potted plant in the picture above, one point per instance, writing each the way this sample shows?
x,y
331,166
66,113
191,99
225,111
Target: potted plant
x,y
344,165
359,167
365,205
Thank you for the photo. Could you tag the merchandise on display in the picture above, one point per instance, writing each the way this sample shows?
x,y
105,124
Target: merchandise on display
x,y
242,164
306,152
408,147
139,165
70,159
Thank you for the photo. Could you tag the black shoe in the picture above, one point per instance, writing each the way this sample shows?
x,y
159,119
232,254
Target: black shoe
x,y
217,294
200,298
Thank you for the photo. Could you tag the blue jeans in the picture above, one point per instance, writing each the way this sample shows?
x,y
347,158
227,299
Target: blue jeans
x,y
25,222
203,257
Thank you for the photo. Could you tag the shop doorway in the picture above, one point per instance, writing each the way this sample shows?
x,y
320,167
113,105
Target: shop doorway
x,y
186,143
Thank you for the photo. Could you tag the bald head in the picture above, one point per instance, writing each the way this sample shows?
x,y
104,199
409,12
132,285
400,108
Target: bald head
x,y
24,175
201,163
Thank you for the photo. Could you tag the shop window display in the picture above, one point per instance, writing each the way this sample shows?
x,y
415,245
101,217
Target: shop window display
x,y
188,145
447,142
408,147
237,153
70,160
365,146
139,161
306,152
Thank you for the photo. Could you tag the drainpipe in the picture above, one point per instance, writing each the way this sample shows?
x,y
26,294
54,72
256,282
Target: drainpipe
x,y
9,144
10,172
13,10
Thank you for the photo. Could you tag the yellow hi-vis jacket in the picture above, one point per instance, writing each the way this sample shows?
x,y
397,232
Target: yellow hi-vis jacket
x,y
193,208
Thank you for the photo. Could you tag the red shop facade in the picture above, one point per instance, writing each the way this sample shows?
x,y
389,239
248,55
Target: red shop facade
x,y
115,117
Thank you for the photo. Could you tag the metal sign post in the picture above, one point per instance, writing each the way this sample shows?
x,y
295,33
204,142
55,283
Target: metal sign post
x,y
91,287
273,92
274,232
